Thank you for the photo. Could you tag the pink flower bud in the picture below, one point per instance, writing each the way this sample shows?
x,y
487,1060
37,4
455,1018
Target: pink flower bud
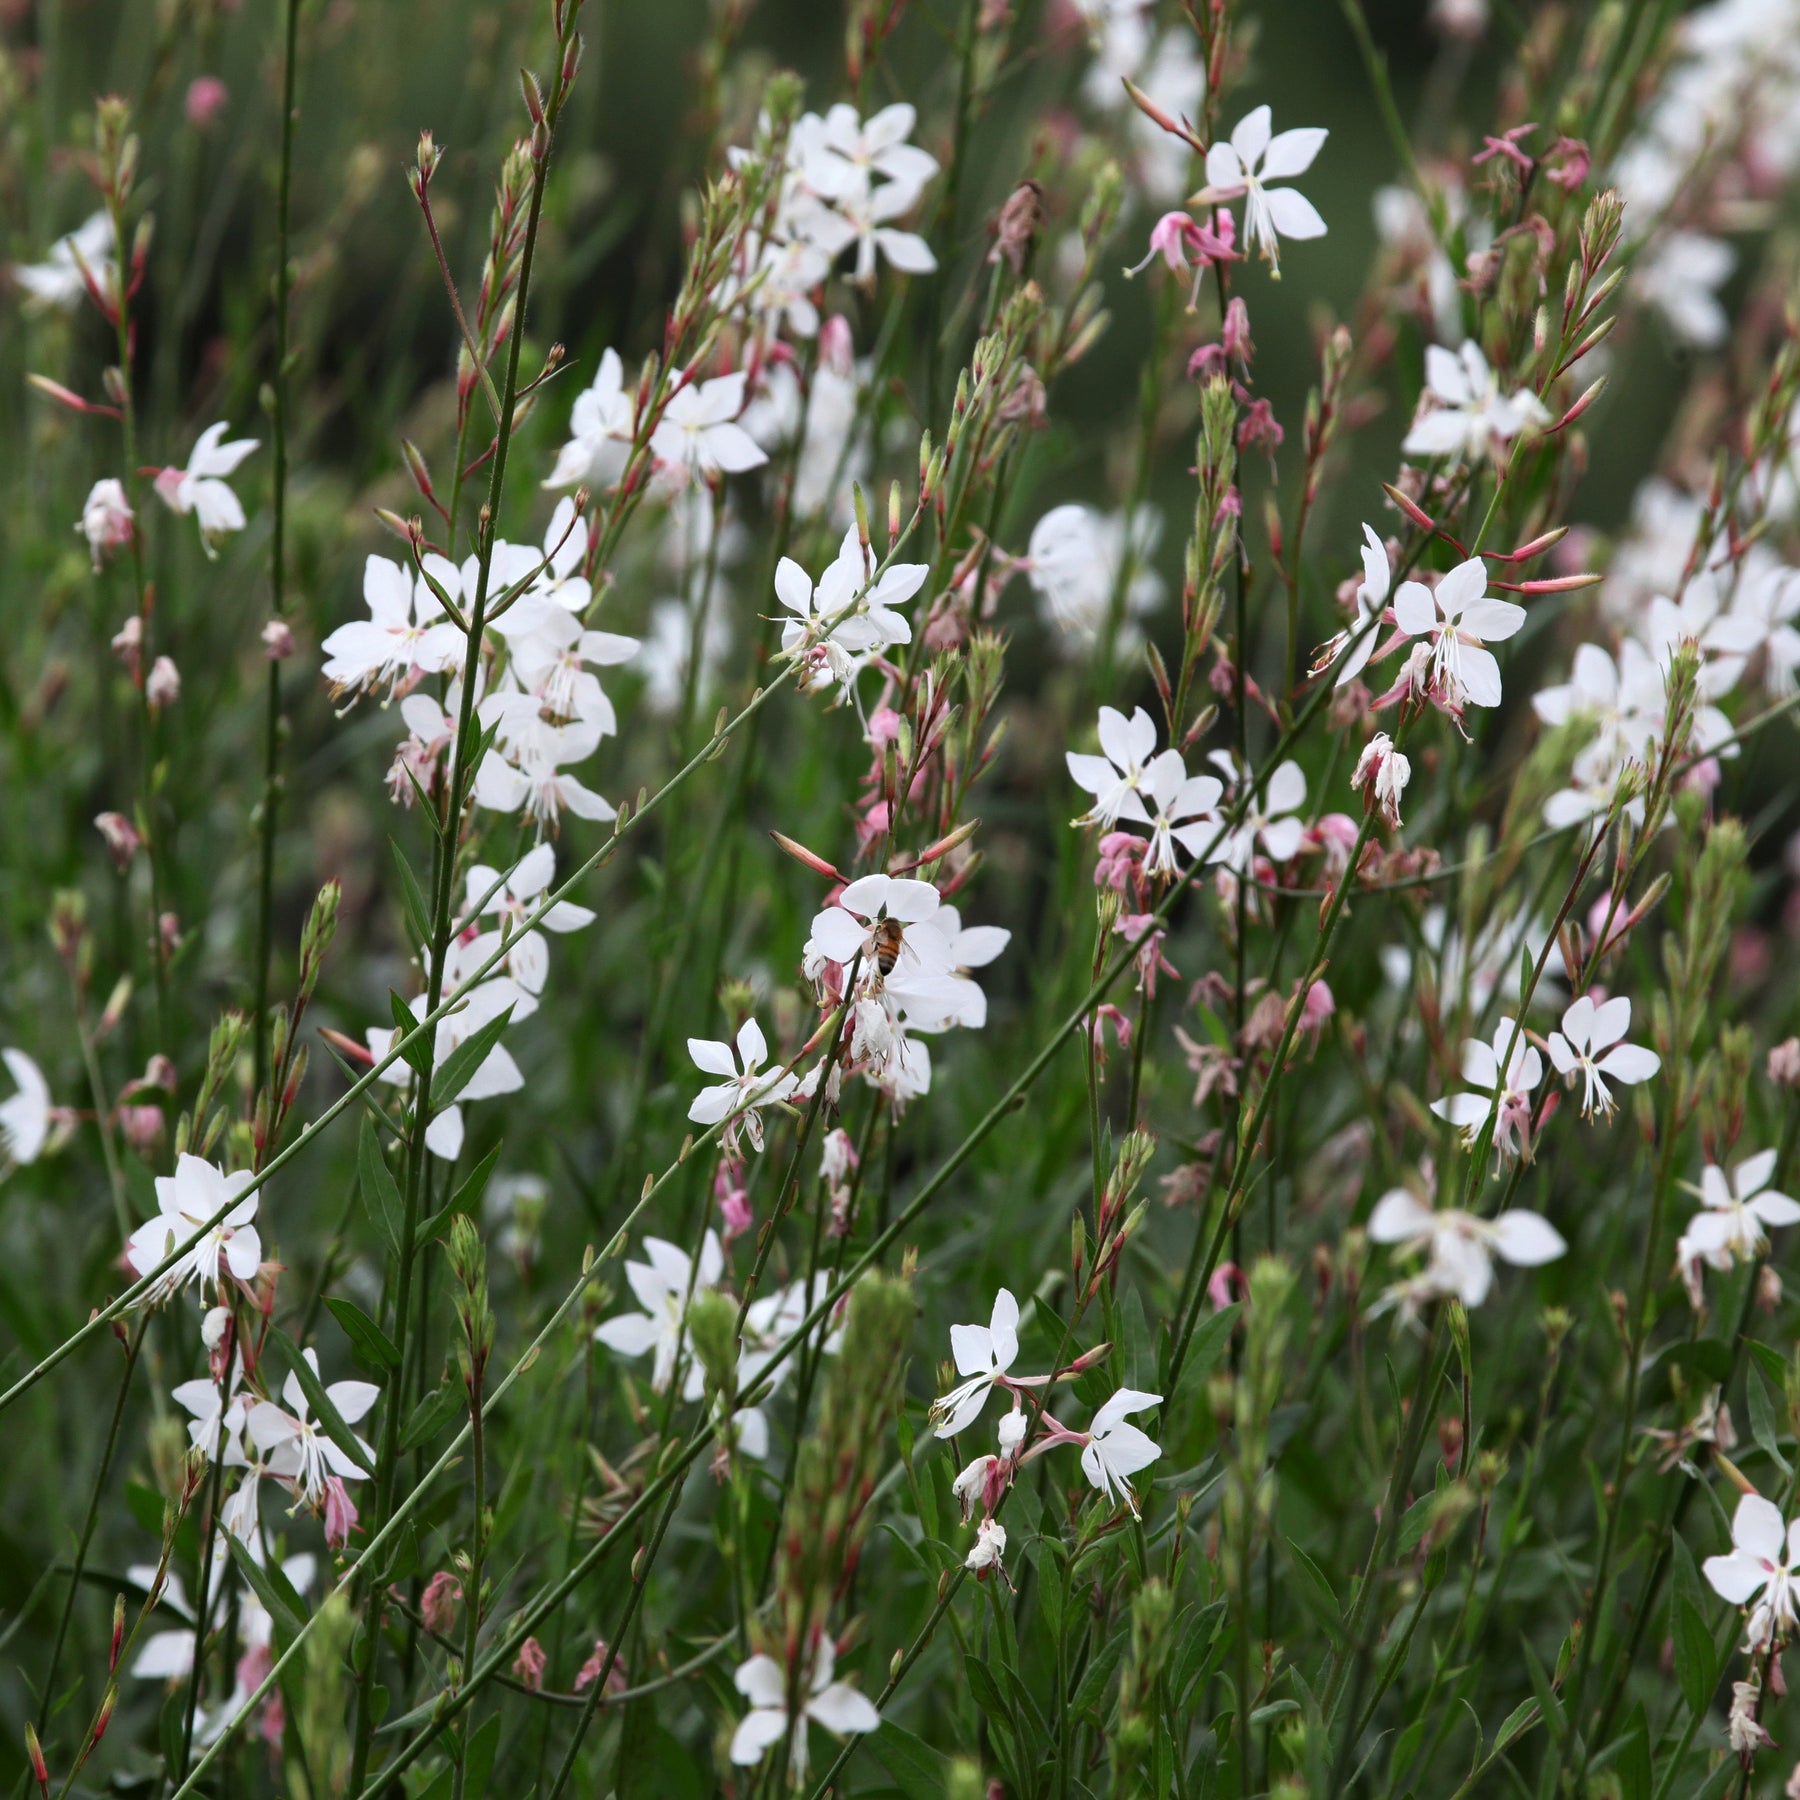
x,y
164,686
837,349
734,1214
122,839
443,1594
142,1127
528,1665
340,1513
207,97
1234,335
589,1671
278,640
128,644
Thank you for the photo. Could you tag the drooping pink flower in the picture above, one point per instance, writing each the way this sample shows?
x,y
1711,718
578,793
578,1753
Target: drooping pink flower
x,y
443,1594
528,1665
340,1513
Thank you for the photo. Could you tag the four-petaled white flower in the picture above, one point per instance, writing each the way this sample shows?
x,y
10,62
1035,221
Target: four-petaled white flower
x,y
1472,414
1503,1096
600,424
200,488
406,634
1247,163
1460,1246
1183,809
1269,819
188,1201
57,282
698,433
839,623
1763,1565
295,1447
862,925
1118,779
982,1353
834,1704
1589,1044
1458,621
514,899
1114,1450
746,1088
664,1285
24,1116
1732,1224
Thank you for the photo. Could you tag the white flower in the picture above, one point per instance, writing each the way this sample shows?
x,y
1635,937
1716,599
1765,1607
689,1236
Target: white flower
x,y
406,633
217,1419
862,924
1115,1451
106,518
1074,563
834,1704
294,1446
1589,1044
1472,415
697,433
1382,774
600,431
187,1202
1767,611
514,899
1358,639
1458,621
1761,1566
745,1089
1268,818
24,1116
1461,1246
1732,1223
848,615
57,281
866,221
1506,1098
663,1287
989,1547
1183,809
1118,779
528,771
200,487
841,154
983,1353
1247,164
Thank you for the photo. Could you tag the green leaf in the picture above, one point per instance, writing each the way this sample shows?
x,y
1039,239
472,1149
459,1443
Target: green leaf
x,y
1763,1426
1207,1345
1695,1668
466,1199
418,1053
1316,1590
986,1692
432,1414
418,920
1050,1592
367,1338
260,1584
919,1772
379,1192
462,1062
1547,1702
1097,1676
1770,1361
1519,1721
325,1415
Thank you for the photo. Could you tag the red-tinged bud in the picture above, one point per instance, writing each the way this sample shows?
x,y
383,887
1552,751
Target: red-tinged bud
x,y
68,397
534,96
429,155
1272,521
942,848
104,1717
1086,1360
1411,508
571,61
40,1770
1552,584
1162,120
1537,546
415,463
1547,1111
540,142
346,1047
1589,396
811,859
397,525
118,1633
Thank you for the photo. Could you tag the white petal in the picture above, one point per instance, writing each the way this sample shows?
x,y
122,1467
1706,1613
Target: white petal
x,y
1526,1239
842,1708
1292,152
1398,1215
1630,1063
1757,1527
1294,215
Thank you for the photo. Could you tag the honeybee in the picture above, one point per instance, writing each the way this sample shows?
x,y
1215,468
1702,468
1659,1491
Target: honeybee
x,y
888,935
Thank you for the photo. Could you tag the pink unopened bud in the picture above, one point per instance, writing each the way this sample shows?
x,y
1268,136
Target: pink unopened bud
x,y
207,97
340,1513
734,1214
1317,1009
1234,334
810,858
589,1671
164,685
278,640
122,839
438,1604
837,348
528,1665
128,644
1784,1063
141,1126
1226,1285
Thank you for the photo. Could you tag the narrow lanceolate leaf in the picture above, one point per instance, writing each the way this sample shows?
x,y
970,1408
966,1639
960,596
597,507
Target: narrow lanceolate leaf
x,y
468,1056
261,1582
1696,1667
370,1341
466,1199
380,1193
417,1053
418,920
433,1413
325,1415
